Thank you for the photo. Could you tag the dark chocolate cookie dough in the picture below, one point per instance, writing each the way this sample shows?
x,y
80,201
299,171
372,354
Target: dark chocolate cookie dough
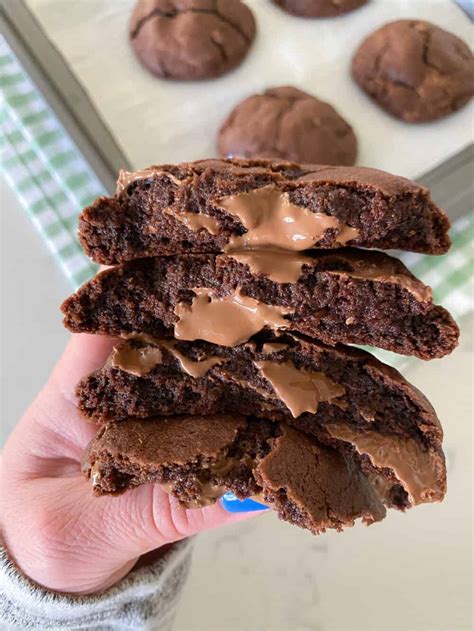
x,y
220,205
415,70
314,483
281,378
319,8
290,124
350,297
197,459
191,39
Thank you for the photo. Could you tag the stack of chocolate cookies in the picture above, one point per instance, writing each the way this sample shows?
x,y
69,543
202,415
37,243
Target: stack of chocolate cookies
x,y
232,373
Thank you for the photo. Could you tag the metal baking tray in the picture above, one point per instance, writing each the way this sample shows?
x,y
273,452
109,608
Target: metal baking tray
x,y
451,183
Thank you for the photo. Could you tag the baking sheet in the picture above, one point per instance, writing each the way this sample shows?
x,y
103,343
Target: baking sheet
x,y
157,121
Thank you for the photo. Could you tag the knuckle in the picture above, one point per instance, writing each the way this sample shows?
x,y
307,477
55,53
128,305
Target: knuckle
x,y
169,519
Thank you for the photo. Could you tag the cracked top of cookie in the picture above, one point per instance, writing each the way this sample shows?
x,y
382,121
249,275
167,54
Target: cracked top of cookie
x,y
196,459
287,123
415,70
191,39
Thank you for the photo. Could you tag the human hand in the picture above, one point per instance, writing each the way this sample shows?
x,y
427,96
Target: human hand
x,y
55,530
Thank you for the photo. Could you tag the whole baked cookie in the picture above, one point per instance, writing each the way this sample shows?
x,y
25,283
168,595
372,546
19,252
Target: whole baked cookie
x,y
288,123
191,39
415,70
319,8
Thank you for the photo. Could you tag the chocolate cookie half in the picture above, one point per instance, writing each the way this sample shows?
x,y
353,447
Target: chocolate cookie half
x,y
217,205
341,392
415,70
319,8
289,124
345,296
191,39
315,484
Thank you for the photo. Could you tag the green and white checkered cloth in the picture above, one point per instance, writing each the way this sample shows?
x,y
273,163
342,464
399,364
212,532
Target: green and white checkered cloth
x,y
44,167
54,182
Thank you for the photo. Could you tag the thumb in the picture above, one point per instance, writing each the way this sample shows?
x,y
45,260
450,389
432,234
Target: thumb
x,y
58,532
85,353
141,520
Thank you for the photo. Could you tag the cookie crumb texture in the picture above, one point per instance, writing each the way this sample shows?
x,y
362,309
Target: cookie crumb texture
x,y
319,8
344,394
289,124
309,484
415,70
333,300
191,39
311,385
161,210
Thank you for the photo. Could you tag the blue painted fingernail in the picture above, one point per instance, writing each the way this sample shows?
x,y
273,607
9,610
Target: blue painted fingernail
x,y
232,504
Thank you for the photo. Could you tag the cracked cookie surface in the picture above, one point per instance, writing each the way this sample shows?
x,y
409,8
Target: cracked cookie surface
x,y
308,483
415,70
290,124
191,39
319,8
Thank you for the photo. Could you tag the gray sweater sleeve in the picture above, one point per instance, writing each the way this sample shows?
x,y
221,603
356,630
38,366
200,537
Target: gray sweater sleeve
x,y
145,600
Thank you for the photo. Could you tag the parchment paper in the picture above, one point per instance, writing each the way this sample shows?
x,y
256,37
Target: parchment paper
x,y
156,120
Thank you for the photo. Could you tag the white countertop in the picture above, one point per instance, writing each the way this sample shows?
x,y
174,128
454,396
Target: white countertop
x,y
33,287
409,573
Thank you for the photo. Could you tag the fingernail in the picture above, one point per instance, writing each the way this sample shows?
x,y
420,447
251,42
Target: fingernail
x,y
232,504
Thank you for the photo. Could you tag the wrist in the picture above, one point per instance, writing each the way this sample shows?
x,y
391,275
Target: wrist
x,y
61,568
98,587
147,594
